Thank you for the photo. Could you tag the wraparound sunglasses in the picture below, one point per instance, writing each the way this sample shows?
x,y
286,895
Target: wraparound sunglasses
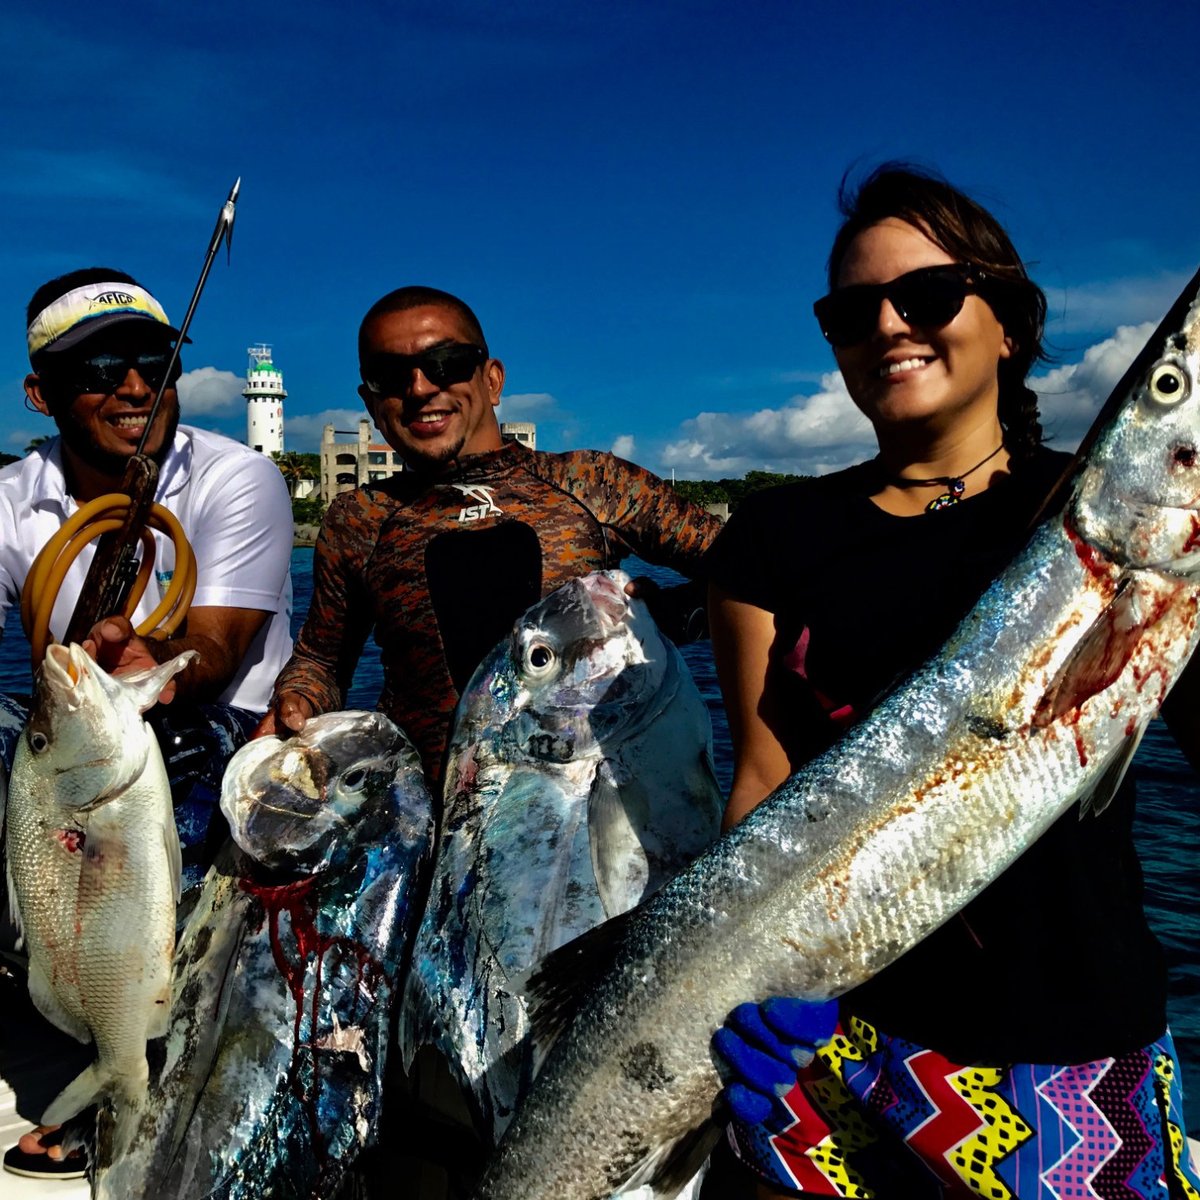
x,y
929,297
101,374
391,374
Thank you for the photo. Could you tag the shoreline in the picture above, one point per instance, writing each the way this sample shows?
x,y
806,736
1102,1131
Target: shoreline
x,y
304,535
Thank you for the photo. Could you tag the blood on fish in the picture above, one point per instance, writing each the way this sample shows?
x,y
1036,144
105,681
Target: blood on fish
x,y
1089,555
298,901
1194,537
71,840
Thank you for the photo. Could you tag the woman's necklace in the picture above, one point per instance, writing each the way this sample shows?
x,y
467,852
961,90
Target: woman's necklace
x,y
955,485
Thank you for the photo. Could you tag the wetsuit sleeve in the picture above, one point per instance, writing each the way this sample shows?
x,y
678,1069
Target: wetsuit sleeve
x,y
339,615
648,515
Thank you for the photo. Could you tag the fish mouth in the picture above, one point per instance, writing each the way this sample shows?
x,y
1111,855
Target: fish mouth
x,y
608,596
65,667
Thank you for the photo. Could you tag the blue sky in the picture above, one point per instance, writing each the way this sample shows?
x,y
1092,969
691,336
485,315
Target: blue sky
x,y
636,198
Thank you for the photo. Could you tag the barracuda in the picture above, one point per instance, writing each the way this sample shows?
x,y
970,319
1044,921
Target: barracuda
x,y
269,1083
579,779
1035,704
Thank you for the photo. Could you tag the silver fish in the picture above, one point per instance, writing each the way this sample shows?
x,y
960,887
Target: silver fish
x,y
1035,703
93,870
579,779
269,1084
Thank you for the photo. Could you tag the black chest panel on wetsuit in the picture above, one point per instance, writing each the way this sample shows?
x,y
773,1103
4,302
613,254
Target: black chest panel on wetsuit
x,y
479,583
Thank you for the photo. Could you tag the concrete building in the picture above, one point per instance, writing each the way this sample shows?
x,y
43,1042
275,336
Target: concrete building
x,y
524,432
264,394
349,464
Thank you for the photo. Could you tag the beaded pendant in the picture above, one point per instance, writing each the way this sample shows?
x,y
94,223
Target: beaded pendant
x,y
952,496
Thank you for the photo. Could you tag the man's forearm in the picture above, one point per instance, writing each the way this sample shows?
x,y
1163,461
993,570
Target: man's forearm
x,y
206,676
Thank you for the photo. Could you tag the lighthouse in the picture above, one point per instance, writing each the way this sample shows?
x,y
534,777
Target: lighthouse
x,y
264,402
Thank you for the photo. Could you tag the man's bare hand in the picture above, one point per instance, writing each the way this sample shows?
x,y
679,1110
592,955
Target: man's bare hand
x,y
288,715
113,643
642,587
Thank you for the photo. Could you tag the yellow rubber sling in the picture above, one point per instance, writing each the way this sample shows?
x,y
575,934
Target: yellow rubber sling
x,y
92,520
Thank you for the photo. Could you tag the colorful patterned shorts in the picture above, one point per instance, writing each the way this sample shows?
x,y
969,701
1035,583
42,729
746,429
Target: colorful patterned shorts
x,y
878,1117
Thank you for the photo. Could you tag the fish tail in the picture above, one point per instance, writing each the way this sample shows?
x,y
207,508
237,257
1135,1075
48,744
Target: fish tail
x,y
86,1088
92,1084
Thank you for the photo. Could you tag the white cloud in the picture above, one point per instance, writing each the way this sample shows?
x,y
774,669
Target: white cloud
x,y
208,391
808,435
1070,396
530,406
623,446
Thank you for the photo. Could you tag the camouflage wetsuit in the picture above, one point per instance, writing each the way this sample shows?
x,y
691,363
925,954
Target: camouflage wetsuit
x,y
442,567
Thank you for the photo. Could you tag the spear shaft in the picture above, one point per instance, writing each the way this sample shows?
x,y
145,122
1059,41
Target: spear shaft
x,y
114,567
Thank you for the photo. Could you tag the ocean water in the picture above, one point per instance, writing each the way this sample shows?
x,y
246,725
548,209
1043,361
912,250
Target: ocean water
x,y
1167,829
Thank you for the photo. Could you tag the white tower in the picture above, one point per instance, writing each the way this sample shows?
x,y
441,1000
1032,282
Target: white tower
x,y
264,402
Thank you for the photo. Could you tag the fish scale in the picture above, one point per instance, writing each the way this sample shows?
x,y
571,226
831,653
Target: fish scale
x,y
1033,705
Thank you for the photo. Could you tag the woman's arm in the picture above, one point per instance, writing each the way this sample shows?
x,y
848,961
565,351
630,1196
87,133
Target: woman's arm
x,y
742,636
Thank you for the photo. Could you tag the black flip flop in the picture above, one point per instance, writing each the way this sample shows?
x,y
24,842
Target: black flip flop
x,y
42,1166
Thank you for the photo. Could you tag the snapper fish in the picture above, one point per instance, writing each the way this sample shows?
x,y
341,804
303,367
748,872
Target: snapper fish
x,y
1035,704
94,870
270,1078
579,779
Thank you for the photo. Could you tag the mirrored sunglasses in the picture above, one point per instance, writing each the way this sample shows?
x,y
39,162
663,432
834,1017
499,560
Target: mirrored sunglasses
x,y
102,373
391,374
929,297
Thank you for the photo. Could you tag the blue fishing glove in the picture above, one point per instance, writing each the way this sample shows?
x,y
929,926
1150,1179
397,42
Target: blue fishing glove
x,y
764,1045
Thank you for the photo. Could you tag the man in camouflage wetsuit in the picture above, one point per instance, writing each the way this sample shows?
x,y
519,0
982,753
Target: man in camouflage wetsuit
x,y
442,558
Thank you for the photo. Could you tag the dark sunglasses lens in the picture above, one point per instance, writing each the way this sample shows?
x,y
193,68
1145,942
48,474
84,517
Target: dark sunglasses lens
x,y
391,374
450,364
927,297
930,300
848,316
104,373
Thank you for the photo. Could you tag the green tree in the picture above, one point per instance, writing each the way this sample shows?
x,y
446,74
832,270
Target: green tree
x,y
34,443
290,468
308,511
730,491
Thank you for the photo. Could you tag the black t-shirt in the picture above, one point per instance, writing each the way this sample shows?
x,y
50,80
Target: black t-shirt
x,y
1054,962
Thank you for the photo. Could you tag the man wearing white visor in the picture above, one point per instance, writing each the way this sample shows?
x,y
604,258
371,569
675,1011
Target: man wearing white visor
x,y
99,347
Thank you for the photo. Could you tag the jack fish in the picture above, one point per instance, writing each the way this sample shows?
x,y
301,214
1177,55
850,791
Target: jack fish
x,y
93,870
1034,704
578,780
269,1084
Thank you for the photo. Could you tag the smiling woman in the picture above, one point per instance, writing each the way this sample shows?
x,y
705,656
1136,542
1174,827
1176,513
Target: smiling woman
x,y
828,591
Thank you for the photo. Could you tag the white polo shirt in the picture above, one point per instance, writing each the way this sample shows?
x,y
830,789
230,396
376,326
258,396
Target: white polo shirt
x,y
234,507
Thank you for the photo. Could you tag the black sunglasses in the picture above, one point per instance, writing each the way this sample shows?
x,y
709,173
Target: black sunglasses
x,y
101,374
929,297
391,374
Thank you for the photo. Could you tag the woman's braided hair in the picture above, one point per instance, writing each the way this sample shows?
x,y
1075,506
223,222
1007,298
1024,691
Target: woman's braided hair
x,y
968,233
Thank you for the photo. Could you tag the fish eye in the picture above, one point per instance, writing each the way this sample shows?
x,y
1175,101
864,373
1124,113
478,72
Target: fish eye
x,y
1168,383
352,781
38,742
539,658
